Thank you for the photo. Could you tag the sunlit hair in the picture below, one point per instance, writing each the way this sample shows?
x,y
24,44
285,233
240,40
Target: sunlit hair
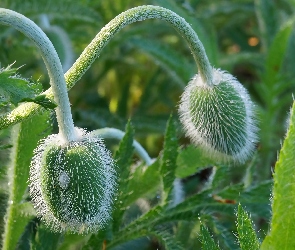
x,y
219,119
73,186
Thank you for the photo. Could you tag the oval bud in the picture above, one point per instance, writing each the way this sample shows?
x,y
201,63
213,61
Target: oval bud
x,y
73,186
219,118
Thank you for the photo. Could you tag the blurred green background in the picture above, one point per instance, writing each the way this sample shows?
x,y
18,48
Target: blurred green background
x,y
142,72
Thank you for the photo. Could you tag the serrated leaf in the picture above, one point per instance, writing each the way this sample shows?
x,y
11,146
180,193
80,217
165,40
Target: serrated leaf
x,y
143,181
246,234
257,199
191,160
207,241
42,100
14,88
167,240
168,166
224,233
283,216
125,152
123,159
137,228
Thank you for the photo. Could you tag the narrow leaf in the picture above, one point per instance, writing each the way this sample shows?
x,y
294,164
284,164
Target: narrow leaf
x,y
207,241
123,159
267,16
276,53
167,240
168,166
246,234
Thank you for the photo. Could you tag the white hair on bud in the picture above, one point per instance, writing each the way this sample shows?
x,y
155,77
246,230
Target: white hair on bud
x,y
106,176
212,125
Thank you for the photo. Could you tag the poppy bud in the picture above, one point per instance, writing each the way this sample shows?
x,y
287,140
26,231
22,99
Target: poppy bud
x,y
73,185
219,118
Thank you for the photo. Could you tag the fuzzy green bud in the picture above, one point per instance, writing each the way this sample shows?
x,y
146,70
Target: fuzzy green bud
x,y
219,118
73,185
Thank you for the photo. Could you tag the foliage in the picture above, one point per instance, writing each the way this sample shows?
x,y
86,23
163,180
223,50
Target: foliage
x,y
184,199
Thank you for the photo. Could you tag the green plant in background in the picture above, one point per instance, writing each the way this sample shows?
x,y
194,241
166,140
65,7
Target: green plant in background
x,y
84,197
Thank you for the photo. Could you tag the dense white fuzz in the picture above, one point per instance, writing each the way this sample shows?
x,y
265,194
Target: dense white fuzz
x,y
219,118
73,185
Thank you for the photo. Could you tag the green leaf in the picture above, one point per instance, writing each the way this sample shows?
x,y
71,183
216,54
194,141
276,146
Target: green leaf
x,y
14,88
28,235
143,181
283,216
256,198
267,16
207,241
123,158
276,53
42,100
223,232
167,240
246,234
137,228
45,239
25,138
96,241
168,165
190,161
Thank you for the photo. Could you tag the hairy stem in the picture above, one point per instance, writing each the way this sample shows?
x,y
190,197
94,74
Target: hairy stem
x,y
53,65
141,13
93,50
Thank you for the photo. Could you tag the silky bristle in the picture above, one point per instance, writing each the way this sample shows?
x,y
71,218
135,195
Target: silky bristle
x,y
73,186
219,118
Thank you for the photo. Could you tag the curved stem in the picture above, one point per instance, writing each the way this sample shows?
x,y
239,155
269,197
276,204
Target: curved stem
x,y
53,65
93,50
113,133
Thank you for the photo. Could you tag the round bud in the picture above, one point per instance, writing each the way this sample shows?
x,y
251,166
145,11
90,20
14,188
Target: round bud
x,y
73,185
219,118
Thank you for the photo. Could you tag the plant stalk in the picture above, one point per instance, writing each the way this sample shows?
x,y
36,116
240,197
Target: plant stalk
x,y
53,65
93,50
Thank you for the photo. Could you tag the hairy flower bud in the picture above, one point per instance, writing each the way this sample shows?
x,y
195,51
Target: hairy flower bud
x,y
219,118
73,185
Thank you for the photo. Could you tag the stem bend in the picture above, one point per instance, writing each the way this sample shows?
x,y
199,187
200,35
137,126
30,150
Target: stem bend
x,y
53,65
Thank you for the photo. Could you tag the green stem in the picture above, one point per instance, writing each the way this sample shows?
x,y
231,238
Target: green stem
x,y
53,65
141,13
113,133
93,50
